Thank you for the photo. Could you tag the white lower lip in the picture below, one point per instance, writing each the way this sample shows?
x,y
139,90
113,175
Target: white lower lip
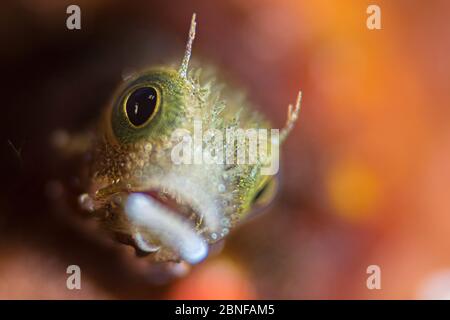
x,y
173,231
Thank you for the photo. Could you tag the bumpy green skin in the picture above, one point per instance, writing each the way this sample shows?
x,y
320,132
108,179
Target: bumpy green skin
x,y
127,159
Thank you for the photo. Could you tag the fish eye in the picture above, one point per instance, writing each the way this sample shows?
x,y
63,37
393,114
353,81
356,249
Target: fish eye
x,y
141,105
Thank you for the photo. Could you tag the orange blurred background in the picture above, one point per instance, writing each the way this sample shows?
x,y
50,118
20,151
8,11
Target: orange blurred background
x,y
366,172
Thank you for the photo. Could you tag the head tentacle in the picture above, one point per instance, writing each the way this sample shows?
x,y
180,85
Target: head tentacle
x,y
292,118
187,54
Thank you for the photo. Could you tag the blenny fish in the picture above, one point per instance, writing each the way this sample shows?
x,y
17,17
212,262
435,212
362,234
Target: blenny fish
x,y
170,211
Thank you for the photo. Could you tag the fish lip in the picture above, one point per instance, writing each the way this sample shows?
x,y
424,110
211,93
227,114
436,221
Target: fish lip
x,y
174,236
176,204
146,246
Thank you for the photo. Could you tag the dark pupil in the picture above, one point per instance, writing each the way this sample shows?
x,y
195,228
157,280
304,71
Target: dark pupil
x,y
140,105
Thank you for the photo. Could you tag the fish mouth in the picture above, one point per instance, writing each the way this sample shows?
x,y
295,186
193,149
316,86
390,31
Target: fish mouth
x,y
177,205
170,218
